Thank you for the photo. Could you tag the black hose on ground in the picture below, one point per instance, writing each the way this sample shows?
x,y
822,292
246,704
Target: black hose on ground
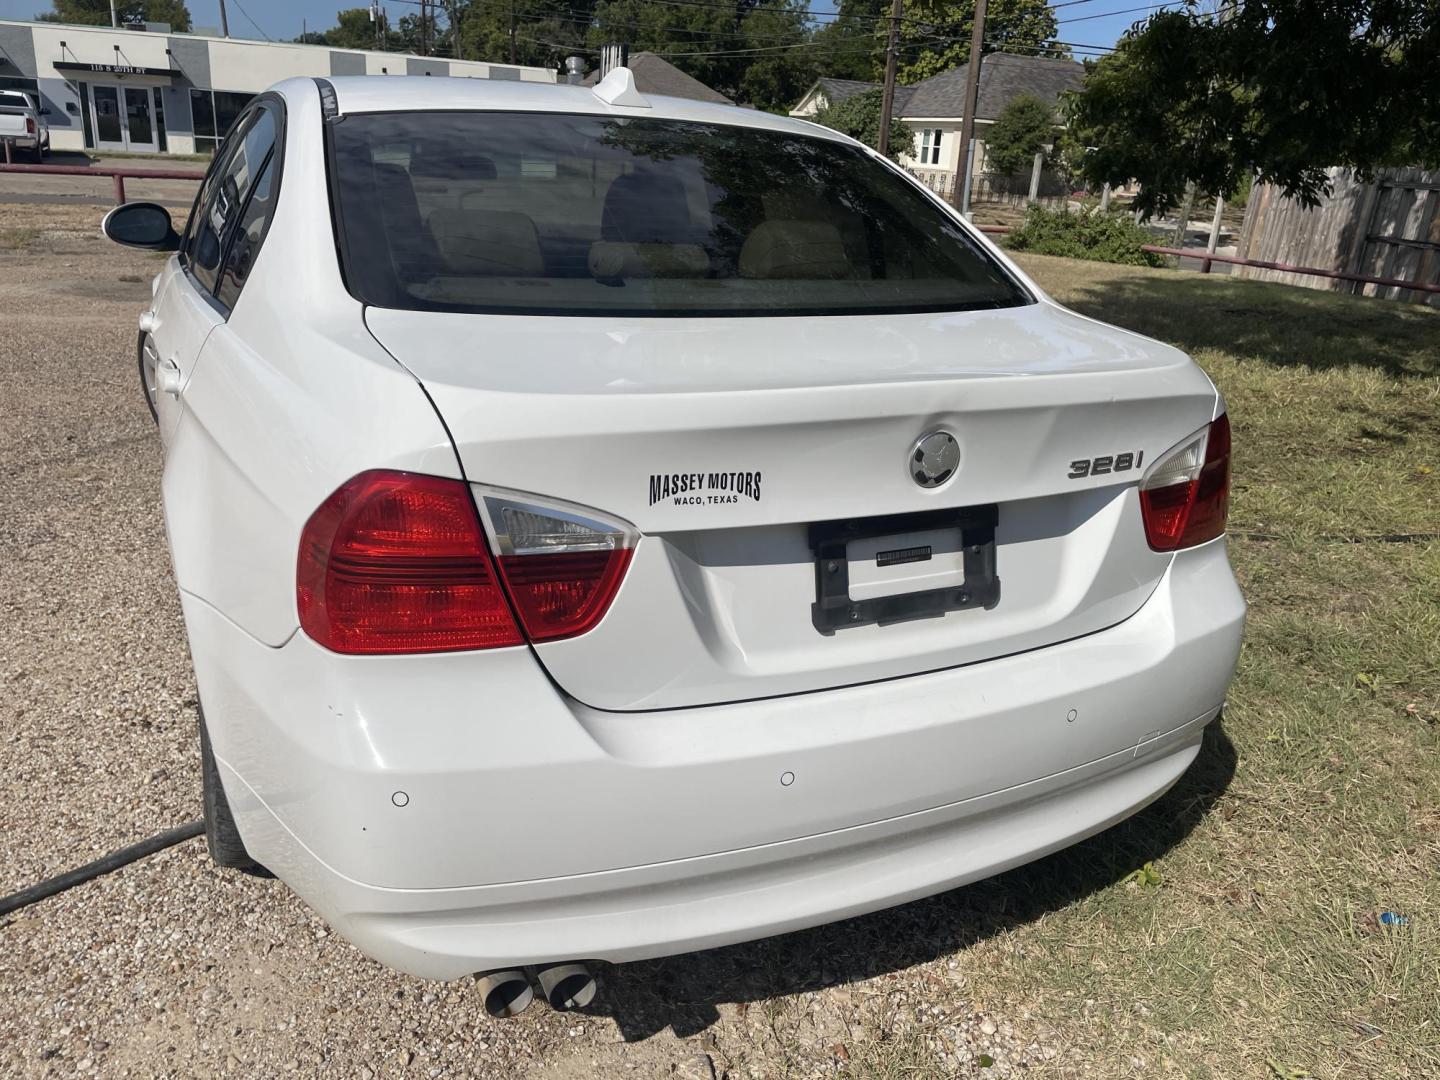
x,y
104,865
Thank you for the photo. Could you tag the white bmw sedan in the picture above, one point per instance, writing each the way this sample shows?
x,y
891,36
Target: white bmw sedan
x,y
612,526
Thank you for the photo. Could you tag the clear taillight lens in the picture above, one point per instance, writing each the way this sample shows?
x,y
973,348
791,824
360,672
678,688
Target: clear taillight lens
x,y
562,564
396,562
1185,496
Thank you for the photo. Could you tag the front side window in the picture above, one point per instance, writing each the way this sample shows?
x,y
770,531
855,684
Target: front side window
x,y
223,196
248,236
580,215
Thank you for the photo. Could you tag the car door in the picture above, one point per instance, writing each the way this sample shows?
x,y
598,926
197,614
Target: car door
x,y
219,516
187,309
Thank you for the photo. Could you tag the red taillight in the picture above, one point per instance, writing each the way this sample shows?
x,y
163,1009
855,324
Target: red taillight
x,y
1185,497
29,126
396,562
562,564
562,595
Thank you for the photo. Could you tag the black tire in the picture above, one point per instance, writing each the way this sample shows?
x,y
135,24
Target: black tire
x,y
221,836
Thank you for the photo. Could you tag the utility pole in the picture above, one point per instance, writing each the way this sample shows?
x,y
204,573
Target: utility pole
x,y
972,100
224,22
512,30
115,18
887,96
455,32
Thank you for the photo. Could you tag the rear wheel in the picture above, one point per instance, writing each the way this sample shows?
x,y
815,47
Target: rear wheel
x,y
221,836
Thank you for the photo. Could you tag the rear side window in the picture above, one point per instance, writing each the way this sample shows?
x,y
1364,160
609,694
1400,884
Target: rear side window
x,y
589,215
248,235
226,190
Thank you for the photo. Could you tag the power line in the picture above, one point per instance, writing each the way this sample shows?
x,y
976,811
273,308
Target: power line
x,y
251,21
1122,11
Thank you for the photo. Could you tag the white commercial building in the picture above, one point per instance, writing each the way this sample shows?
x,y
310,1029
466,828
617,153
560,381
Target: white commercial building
x,y
161,92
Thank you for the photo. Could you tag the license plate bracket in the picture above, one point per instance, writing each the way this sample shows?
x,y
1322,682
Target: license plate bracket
x,y
833,608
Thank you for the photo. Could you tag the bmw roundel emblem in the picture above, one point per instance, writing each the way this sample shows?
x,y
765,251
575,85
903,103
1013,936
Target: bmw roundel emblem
x,y
933,459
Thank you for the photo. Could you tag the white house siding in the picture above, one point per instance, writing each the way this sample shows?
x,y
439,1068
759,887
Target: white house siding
x,y
949,127
30,51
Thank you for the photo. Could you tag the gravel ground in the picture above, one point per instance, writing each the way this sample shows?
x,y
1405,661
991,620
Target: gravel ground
x,y
171,967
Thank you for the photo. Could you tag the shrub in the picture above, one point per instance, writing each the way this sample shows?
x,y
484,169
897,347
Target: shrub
x,y
859,117
1109,237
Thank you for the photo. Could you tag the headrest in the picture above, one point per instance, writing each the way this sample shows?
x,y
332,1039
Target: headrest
x,y
794,249
646,208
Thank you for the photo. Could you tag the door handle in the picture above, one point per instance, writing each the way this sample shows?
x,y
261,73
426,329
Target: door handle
x,y
167,377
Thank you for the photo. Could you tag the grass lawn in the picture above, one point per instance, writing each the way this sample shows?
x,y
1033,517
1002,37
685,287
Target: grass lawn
x,y
1316,804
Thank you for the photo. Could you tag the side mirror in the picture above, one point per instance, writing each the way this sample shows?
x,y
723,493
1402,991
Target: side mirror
x,y
141,225
44,112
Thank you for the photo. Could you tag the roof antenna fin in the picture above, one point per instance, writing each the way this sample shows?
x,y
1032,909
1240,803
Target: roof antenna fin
x,y
618,88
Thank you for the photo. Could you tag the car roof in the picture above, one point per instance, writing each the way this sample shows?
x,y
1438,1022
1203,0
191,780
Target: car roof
x,y
388,93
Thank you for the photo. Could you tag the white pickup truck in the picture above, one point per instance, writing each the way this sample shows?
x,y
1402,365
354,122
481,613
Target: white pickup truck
x,y
22,125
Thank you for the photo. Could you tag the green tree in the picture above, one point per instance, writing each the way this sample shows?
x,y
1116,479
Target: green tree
x,y
847,47
935,35
535,32
859,117
1281,89
760,53
97,12
1024,127
354,30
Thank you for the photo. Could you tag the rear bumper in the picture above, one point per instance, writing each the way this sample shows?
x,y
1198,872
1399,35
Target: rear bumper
x,y
533,829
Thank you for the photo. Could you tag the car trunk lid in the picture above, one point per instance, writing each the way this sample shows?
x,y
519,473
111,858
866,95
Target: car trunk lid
x,y
742,447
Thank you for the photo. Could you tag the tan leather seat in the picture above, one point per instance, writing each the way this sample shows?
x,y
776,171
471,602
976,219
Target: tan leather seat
x,y
487,243
794,249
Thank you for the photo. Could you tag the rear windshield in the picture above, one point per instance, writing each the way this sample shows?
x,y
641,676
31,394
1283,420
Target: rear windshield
x,y
543,213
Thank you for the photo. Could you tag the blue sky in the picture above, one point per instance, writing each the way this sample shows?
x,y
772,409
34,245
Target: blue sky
x,y
1097,22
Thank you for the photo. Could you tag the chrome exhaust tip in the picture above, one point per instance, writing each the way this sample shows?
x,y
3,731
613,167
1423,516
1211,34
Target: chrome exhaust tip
x,y
567,986
505,993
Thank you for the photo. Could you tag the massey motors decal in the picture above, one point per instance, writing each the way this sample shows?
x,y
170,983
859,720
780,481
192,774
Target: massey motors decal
x,y
703,488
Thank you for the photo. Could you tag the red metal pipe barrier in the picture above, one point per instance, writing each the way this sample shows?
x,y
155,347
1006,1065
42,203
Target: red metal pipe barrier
x,y
119,175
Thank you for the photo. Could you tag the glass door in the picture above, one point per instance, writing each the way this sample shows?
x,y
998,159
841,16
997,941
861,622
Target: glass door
x,y
139,119
109,123
124,118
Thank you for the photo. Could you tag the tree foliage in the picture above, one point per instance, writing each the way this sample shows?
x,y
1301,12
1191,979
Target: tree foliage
x,y
1024,127
935,34
757,52
97,12
859,117
1279,89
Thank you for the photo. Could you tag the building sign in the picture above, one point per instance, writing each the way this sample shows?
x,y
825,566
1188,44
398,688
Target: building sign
x,y
119,69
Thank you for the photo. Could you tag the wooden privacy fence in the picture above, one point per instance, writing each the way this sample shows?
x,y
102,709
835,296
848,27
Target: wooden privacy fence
x,y
1389,229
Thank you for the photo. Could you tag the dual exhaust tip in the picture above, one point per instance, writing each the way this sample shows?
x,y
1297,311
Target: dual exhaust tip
x,y
509,992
